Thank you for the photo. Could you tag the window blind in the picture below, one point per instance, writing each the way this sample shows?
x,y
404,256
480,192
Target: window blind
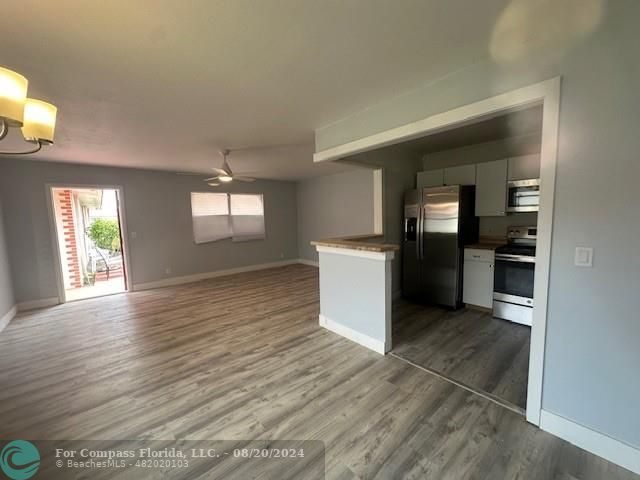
x,y
220,215
247,217
210,214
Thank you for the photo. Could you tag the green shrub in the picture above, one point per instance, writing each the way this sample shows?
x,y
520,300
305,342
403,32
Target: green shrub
x,y
105,234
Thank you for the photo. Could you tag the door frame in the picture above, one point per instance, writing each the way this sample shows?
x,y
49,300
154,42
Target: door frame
x,y
126,256
548,94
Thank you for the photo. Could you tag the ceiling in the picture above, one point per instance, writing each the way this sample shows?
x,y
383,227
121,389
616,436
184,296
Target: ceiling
x,y
165,84
524,125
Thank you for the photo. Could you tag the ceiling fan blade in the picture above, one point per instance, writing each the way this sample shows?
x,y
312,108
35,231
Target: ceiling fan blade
x,y
220,171
191,174
212,178
213,184
244,179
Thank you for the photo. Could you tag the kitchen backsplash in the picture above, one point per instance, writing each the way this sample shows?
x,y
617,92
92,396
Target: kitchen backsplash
x,y
499,225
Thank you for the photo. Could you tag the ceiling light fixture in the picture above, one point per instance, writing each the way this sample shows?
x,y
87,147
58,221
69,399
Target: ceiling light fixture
x,y
225,174
37,118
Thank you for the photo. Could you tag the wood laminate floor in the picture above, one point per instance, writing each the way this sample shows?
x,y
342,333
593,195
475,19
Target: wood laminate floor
x,y
243,357
469,346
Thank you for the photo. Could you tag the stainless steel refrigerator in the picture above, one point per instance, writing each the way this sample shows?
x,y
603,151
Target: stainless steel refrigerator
x,y
438,223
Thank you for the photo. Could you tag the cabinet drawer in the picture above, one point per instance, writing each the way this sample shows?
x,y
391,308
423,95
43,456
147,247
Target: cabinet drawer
x,y
478,255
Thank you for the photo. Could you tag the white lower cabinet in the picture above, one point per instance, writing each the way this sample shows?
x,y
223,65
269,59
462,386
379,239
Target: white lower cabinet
x,y
477,286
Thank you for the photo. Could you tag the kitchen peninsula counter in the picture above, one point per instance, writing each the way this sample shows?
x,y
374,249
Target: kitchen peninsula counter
x,y
355,288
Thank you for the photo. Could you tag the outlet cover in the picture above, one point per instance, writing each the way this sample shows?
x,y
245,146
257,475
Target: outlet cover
x,y
583,257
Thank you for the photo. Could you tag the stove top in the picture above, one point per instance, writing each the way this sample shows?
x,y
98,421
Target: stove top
x,y
512,249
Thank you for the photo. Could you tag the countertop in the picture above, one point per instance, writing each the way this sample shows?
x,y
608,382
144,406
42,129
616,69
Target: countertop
x,y
488,243
368,243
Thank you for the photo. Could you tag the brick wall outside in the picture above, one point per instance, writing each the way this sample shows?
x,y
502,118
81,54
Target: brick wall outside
x,y
69,234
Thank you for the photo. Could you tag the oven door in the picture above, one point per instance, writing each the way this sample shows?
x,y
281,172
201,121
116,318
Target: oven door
x,y
513,279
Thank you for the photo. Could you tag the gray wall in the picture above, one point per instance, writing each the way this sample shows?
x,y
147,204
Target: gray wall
x,y
7,300
400,167
157,209
482,152
592,352
334,206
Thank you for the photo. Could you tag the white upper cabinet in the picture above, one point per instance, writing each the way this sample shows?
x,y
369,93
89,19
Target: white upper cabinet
x,y
524,167
430,178
491,188
461,175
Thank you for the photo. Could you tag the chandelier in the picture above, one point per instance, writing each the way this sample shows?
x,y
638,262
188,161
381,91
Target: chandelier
x,y
36,118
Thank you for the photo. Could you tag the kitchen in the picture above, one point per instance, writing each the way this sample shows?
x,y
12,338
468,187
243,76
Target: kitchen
x,y
448,287
468,261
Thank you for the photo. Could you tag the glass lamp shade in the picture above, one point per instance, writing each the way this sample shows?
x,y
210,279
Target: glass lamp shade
x,y
13,94
225,178
39,121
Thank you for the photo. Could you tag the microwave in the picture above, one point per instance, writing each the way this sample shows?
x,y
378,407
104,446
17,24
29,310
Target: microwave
x,y
523,195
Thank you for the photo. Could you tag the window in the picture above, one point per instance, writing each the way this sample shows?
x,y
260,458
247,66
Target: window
x,y
210,213
247,217
220,215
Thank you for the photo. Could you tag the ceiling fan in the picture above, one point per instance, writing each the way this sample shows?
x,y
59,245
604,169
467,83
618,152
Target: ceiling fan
x,y
225,174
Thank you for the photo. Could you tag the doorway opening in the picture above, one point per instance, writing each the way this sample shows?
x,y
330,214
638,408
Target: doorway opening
x,y
90,242
545,93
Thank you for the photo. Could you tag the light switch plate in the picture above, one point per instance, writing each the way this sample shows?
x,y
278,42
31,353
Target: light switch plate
x,y
583,257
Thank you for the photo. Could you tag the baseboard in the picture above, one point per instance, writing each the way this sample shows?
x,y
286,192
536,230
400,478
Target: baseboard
x,y
377,346
7,317
42,303
172,281
311,263
594,442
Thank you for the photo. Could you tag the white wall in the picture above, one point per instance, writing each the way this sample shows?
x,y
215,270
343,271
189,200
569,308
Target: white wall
x,y
158,209
7,300
592,351
334,206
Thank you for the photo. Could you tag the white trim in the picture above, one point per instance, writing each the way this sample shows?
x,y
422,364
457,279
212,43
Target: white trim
x,y
357,337
548,94
7,317
595,442
124,234
311,263
41,303
466,113
548,161
351,252
53,232
378,201
168,282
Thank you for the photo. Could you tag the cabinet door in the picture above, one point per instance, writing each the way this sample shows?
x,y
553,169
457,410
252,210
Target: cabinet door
x,y
461,175
477,288
491,188
430,178
524,167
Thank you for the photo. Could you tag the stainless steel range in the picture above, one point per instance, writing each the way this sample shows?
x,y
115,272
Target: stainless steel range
x,y
513,277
